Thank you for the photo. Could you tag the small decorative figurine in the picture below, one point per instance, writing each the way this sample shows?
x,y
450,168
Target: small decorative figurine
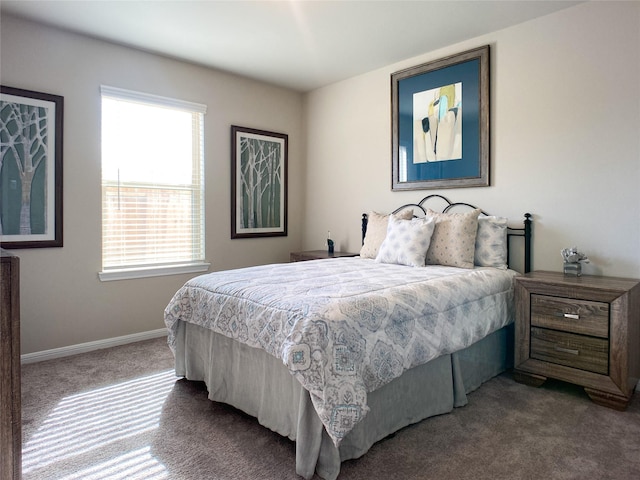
x,y
329,242
573,260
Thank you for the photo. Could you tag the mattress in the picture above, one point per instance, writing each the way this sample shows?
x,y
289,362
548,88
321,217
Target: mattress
x,y
346,327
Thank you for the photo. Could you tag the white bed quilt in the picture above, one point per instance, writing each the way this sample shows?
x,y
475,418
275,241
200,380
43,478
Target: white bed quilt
x,y
347,326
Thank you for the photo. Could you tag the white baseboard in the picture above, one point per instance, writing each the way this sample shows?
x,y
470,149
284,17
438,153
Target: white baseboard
x,y
90,346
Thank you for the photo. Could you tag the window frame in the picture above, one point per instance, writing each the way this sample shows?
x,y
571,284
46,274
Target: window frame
x,y
168,268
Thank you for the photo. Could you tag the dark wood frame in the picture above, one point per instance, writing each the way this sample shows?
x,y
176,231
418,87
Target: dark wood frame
x,y
439,67
236,200
55,163
512,232
10,385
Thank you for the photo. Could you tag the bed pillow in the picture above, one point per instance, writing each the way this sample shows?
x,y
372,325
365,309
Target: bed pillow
x,y
377,231
454,238
491,242
407,241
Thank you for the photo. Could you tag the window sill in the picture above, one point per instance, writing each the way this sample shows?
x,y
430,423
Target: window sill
x,y
141,272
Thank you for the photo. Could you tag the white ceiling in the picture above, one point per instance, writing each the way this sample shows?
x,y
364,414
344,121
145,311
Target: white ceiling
x,y
296,43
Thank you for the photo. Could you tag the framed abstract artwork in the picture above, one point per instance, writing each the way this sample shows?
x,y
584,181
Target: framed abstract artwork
x,y
258,183
440,123
30,168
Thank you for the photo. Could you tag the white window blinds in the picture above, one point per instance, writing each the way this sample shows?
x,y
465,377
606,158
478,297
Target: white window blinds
x,y
152,184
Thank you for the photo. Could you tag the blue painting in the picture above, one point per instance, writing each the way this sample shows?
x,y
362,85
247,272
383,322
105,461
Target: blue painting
x,y
440,134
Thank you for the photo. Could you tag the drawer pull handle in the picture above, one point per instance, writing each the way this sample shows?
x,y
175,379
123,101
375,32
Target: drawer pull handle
x,y
573,316
567,350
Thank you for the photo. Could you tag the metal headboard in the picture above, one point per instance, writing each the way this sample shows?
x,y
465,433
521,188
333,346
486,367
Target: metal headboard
x,y
512,232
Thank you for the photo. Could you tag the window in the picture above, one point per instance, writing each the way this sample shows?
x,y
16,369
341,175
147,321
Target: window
x,y
152,185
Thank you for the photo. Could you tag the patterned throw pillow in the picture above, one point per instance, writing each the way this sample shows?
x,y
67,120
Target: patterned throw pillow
x,y
454,238
491,242
377,231
407,241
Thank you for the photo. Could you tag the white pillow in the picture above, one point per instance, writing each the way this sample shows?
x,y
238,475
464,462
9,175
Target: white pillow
x,y
491,242
377,231
407,241
454,238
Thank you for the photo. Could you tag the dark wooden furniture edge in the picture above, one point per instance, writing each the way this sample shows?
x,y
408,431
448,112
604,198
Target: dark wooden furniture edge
x,y
318,255
10,391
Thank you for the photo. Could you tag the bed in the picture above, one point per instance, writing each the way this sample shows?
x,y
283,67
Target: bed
x,y
337,354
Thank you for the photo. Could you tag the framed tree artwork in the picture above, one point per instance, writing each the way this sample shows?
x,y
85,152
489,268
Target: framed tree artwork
x,y
258,183
30,168
440,123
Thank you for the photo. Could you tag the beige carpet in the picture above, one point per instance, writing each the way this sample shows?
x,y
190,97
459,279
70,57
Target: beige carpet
x,y
120,413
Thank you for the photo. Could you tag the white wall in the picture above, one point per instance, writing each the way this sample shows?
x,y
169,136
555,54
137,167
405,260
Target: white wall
x,y
565,129
63,302
565,145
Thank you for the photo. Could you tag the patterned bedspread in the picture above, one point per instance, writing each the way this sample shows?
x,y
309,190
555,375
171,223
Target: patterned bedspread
x,y
345,327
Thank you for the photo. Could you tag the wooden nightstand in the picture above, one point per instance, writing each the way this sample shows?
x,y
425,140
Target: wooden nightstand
x,y
318,255
583,330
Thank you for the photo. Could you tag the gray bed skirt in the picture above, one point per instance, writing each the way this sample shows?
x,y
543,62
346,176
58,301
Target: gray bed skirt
x,y
259,384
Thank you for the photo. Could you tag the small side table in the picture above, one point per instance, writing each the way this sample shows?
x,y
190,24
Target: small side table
x,y
582,330
318,255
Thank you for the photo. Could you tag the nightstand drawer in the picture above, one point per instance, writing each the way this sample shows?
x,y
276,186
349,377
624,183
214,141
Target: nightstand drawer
x,y
576,351
570,315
